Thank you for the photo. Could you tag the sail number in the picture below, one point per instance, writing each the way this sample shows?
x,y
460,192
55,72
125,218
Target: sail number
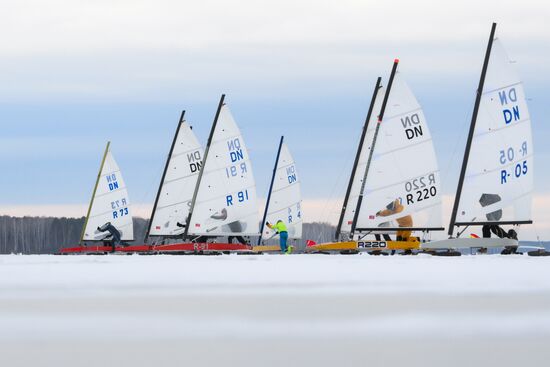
x,y
520,169
298,213
120,208
241,196
508,156
420,189
236,156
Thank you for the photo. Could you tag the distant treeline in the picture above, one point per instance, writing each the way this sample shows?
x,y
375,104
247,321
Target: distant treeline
x,y
46,235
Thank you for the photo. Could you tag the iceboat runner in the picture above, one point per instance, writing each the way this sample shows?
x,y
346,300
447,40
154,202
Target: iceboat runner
x,y
396,170
108,225
496,179
283,201
223,200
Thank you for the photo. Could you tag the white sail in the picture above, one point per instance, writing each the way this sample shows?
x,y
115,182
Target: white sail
x,y
177,189
110,203
403,183
499,176
351,206
226,202
286,198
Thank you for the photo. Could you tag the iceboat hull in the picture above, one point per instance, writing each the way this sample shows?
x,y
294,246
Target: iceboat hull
x,y
363,246
267,248
456,243
201,247
101,249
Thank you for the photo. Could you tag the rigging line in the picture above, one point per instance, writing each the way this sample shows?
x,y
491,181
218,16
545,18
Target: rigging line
x,y
345,167
462,128
151,185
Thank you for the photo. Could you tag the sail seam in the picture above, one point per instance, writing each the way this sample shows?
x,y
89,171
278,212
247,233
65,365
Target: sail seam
x,y
522,121
178,179
224,195
402,114
286,187
377,156
501,88
477,174
399,183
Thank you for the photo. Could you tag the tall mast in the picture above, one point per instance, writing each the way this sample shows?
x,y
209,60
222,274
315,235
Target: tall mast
x,y
270,190
93,193
164,175
380,118
357,157
199,178
471,132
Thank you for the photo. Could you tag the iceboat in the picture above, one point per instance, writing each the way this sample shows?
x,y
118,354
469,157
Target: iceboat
x,y
108,224
496,178
394,188
217,201
283,202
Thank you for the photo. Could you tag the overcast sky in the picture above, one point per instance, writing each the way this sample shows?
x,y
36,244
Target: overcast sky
x,y
74,74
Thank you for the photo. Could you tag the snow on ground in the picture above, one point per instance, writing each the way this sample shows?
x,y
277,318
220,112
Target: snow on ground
x,y
272,310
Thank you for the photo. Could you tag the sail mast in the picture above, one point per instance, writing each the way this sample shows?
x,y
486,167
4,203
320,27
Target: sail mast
x,y
357,157
199,178
164,175
471,132
93,193
262,223
380,118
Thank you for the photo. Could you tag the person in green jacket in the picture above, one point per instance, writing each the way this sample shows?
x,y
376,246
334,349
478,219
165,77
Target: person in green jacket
x,y
280,228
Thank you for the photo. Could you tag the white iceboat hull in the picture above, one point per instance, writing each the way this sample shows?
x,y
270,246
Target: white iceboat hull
x,y
456,243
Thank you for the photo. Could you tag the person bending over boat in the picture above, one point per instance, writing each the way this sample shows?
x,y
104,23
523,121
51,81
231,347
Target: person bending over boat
x,y
114,233
280,229
396,207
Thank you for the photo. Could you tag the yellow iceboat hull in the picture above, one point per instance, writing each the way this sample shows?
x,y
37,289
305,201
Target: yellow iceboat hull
x,y
364,246
266,248
333,246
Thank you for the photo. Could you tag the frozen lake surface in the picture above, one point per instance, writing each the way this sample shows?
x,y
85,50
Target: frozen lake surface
x,y
272,310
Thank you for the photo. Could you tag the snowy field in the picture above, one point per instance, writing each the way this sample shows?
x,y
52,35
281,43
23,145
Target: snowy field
x,y
272,310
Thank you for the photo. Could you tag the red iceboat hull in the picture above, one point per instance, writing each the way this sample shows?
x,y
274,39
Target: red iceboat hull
x,y
202,247
86,250
190,247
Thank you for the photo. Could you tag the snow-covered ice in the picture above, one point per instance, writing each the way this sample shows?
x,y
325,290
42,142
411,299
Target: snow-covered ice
x,y
271,310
